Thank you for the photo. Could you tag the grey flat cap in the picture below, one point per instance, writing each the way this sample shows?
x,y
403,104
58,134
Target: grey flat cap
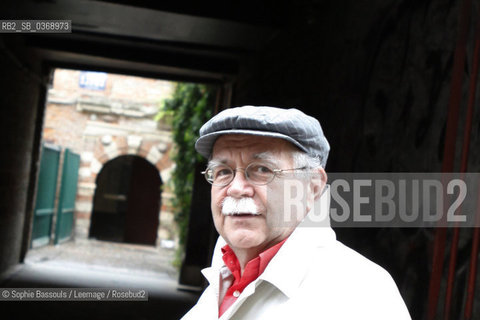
x,y
292,125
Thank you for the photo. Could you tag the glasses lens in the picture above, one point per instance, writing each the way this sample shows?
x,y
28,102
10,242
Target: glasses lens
x,y
209,175
220,175
259,173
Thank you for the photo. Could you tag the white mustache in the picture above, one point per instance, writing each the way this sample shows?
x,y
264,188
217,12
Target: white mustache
x,y
232,206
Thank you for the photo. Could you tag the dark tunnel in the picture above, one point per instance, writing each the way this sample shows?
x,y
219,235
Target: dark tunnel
x,y
392,82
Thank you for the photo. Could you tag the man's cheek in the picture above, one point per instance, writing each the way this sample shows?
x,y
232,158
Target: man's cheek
x,y
216,204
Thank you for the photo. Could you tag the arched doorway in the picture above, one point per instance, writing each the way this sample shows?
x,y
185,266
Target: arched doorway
x,y
127,201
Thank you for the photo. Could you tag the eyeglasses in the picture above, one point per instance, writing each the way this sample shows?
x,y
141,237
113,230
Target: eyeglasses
x,y
257,173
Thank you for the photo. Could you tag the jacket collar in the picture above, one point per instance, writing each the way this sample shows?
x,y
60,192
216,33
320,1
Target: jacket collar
x,y
289,266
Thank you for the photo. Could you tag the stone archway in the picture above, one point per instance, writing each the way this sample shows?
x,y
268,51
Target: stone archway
x,y
127,201
103,149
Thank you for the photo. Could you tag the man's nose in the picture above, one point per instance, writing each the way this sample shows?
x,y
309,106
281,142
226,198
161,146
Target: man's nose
x,y
240,186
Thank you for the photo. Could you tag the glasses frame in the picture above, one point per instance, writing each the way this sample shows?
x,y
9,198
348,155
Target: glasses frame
x,y
275,172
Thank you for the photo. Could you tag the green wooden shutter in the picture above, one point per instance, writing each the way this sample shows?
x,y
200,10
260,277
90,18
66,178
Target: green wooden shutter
x,y
45,200
68,193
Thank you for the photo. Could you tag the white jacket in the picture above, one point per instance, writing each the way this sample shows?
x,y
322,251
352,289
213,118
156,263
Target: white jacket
x,y
313,276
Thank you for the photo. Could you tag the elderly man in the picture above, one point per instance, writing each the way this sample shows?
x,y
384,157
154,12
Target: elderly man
x,y
272,265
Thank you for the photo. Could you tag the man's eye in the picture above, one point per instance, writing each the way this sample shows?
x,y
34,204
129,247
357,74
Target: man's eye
x,y
222,172
260,169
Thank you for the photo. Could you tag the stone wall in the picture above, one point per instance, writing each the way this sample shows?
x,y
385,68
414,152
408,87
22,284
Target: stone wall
x,y
22,94
377,75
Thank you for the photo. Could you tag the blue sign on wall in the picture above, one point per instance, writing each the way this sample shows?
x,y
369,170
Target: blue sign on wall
x,y
92,80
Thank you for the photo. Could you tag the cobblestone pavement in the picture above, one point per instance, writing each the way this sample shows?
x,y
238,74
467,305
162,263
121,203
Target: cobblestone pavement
x,y
107,256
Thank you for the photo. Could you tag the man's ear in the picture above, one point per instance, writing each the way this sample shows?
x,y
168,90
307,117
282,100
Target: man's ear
x,y
316,185
318,182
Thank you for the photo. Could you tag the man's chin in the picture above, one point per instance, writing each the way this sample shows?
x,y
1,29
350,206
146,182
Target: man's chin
x,y
244,241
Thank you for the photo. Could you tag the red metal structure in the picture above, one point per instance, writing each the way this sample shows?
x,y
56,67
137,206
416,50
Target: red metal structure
x,y
448,166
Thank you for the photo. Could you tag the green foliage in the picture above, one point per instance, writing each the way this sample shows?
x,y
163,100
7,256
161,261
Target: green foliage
x,y
188,109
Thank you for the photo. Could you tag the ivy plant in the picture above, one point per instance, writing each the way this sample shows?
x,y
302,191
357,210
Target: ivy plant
x,y
189,108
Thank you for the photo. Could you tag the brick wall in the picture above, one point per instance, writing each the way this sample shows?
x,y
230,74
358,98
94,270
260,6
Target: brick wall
x,y
64,126
128,88
101,125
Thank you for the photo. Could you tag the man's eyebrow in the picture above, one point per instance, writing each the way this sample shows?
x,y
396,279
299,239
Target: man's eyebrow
x,y
265,156
216,162
268,156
